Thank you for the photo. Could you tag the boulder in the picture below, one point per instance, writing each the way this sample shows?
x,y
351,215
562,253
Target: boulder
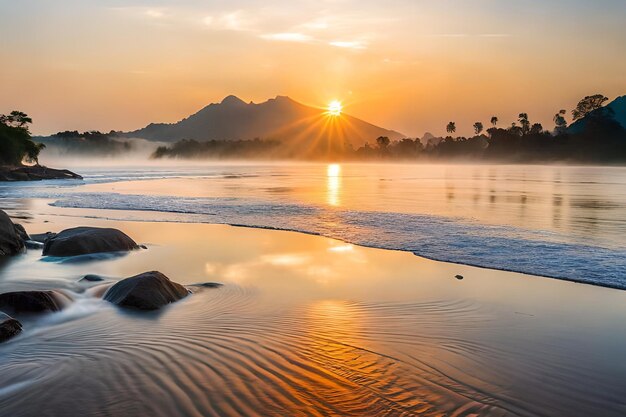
x,y
10,241
147,291
30,301
87,240
21,232
42,237
9,327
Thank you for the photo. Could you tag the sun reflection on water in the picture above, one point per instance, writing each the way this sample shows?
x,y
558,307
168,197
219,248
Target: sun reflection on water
x,y
333,184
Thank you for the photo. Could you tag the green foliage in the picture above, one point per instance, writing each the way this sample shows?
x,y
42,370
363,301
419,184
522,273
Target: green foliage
x,y
16,144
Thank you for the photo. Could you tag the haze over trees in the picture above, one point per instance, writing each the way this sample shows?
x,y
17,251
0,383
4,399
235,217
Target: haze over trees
x,y
597,138
87,143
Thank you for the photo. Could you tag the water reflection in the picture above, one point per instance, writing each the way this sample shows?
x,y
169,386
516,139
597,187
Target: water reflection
x,y
333,184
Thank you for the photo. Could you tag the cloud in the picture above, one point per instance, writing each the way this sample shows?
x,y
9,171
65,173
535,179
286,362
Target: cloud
x,y
154,13
288,37
348,44
235,20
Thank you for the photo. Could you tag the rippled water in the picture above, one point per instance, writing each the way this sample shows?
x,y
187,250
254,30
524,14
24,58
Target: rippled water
x,y
556,221
308,326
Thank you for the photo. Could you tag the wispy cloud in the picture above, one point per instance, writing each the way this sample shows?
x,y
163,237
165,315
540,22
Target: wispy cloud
x,y
348,44
235,20
288,37
154,13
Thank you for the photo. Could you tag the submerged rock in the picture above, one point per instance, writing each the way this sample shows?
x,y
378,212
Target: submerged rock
x,y
9,327
206,285
91,278
10,241
147,291
88,240
30,301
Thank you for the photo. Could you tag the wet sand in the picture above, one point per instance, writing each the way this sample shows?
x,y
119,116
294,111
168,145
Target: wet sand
x,y
306,325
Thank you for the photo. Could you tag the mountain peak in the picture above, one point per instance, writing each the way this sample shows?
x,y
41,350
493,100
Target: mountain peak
x,y
232,100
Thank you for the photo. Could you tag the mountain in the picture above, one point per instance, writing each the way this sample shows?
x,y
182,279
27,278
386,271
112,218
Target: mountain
x,y
619,108
280,118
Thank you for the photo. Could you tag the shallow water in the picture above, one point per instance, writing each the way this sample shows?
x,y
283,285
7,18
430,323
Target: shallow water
x,y
556,221
306,325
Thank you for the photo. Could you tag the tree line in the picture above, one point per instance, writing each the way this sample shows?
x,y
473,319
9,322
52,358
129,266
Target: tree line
x,y
598,138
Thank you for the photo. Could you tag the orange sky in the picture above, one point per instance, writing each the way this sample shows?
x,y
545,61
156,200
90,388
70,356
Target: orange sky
x,y
408,65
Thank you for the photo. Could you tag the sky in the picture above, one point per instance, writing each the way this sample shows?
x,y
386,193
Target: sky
x,y
407,65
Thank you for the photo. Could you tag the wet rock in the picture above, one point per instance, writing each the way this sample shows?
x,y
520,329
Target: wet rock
x,y
30,301
42,237
9,327
10,241
147,291
91,278
206,285
21,232
87,240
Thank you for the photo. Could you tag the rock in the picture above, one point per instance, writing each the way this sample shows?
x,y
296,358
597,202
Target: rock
x,y
10,241
206,285
86,240
91,278
459,277
42,237
35,173
30,301
147,291
9,327
21,232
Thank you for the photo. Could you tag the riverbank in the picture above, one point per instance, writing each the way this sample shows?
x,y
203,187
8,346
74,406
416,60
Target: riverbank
x,y
35,173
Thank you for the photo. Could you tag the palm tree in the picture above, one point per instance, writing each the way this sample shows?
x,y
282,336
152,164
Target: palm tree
x,y
478,127
523,120
451,127
494,120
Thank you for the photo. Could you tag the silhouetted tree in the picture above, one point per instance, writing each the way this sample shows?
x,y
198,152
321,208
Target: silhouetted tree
x,y
587,105
451,127
515,129
536,129
382,142
478,127
523,120
494,121
16,119
16,144
560,122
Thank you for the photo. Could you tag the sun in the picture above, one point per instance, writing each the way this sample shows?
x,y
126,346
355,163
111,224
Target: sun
x,y
334,108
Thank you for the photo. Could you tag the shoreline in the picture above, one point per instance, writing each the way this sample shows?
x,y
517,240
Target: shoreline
x,y
419,255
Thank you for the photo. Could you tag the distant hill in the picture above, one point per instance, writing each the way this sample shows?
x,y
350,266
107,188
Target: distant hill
x,y
280,118
618,106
